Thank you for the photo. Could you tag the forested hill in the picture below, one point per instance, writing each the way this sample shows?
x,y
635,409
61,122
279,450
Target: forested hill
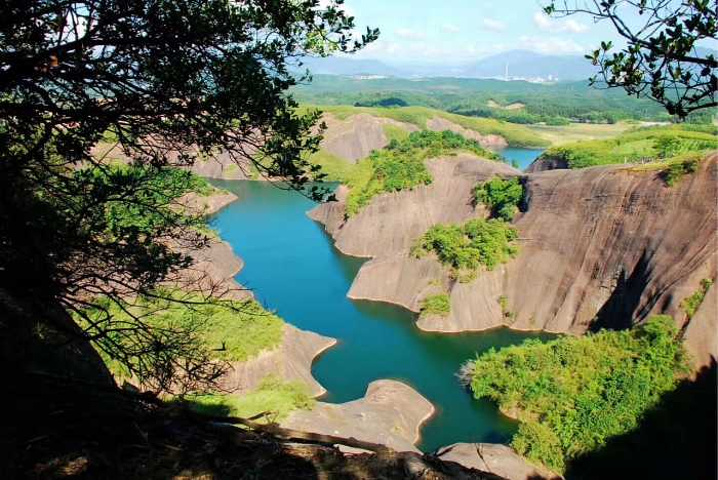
x,y
515,101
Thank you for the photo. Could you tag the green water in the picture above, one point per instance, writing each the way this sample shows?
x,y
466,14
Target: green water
x,y
293,268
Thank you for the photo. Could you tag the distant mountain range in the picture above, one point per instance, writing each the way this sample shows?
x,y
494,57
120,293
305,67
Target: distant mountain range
x,y
525,64
521,64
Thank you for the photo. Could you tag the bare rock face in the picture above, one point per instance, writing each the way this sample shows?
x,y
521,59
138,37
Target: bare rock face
x,y
603,246
220,166
390,413
500,460
543,163
439,124
355,138
290,361
223,168
212,272
197,204
392,221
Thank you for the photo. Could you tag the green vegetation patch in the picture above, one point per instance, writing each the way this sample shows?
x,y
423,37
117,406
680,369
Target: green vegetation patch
x,y
400,166
638,146
502,196
271,402
574,393
435,305
691,304
226,330
469,247
678,168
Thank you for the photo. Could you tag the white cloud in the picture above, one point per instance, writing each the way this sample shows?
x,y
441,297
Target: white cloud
x,y
493,25
548,24
407,34
551,45
449,28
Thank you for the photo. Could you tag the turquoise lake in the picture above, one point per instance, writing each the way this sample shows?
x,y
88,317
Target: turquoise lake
x,y
294,269
522,156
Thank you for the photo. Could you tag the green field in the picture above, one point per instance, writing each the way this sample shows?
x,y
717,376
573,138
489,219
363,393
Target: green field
x,y
518,102
639,145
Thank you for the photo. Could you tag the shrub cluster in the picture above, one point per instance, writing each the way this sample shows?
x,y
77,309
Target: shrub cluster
x,y
272,400
691,304
466,248
573,393
435,305
502,196
676,169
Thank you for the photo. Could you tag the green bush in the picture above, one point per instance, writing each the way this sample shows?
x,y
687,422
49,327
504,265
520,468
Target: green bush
x,y
502,196
273,397
466,248
574,393
436,305
691,304
400,166
676,170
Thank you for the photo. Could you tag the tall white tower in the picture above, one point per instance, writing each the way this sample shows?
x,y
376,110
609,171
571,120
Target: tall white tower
x,y
506,72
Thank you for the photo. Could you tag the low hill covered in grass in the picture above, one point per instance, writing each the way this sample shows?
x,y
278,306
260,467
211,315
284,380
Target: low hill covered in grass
x,y
400,166
641,145
515,135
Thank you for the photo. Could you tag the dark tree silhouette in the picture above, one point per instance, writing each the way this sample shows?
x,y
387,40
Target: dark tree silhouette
x,y
663,59
167,81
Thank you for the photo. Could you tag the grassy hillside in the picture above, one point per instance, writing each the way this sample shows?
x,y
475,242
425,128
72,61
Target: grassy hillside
x,y
515,135
638,146
576,132
401,166
232,332
272,401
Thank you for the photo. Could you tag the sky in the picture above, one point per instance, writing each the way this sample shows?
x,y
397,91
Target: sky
x,y
458,31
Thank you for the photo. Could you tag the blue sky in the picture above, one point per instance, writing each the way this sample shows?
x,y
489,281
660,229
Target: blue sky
x,y
457,31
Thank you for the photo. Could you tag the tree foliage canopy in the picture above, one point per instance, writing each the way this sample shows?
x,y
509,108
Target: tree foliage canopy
x,y
170,81
663,59
467,248
573,393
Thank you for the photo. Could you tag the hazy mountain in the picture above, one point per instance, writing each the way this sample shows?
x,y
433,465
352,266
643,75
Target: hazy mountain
x,y
522,63
350,66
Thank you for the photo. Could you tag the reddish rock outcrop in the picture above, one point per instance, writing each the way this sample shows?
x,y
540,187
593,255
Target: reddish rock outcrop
x,y
439,124
355,138
604,246
392,221
291,361
390,413
500,460
206,205
544,163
